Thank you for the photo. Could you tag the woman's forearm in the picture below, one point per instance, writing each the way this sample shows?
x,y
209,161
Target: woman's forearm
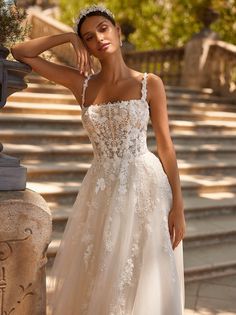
x,y
168,158
34,47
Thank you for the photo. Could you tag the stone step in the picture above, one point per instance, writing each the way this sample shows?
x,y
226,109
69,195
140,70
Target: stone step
x,y
200,97
60,152
199,184
49,136
61,109
71,122
196,115
39,136
210,230
37,170
182,105
208,262
65,191
34,97
206,205
37,108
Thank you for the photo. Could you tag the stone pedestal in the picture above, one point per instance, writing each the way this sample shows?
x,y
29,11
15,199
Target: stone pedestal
x,y
25,233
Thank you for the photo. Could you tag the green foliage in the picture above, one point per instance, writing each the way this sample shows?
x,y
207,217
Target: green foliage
x,y
12,19
162,23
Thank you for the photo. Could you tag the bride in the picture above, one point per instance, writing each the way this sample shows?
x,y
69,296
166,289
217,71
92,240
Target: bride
x,y
121,252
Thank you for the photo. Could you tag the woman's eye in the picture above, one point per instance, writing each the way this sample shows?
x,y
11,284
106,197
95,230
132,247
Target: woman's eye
x,y
104,28
88,38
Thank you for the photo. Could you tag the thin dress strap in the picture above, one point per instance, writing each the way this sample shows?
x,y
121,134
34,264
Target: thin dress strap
x,y
144,87
84,89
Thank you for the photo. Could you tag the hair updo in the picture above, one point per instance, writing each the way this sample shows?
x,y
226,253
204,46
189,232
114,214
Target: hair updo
x,y
108,17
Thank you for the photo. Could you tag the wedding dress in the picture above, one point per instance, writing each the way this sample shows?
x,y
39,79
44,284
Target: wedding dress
x,y
116,257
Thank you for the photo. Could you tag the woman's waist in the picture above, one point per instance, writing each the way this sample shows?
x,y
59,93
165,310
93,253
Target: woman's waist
x,y
119,155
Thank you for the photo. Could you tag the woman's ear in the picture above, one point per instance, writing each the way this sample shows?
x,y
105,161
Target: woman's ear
x,y
118,29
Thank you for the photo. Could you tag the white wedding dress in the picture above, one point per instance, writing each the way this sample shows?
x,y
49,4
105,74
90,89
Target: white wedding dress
x,y
116,257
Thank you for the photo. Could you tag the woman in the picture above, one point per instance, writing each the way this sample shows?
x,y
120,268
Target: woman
x,y
121,251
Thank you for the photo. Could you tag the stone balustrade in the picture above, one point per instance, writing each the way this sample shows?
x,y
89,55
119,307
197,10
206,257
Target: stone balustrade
x,y
222,67
167,63
210,63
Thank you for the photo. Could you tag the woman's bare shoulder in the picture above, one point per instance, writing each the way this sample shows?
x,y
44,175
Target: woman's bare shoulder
x,y
153,78
155,87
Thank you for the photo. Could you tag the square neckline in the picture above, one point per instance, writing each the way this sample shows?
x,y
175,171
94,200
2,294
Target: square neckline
x,y
142,98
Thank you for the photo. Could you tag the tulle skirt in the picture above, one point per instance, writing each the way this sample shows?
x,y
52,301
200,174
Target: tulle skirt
x,y
116,257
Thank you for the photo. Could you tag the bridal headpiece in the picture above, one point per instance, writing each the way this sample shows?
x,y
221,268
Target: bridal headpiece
x,y
93,8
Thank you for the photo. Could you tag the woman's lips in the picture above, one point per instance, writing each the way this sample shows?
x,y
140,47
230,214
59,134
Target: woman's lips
x,y
103,47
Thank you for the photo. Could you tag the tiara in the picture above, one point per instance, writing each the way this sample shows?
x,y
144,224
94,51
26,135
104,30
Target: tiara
x,y
92,8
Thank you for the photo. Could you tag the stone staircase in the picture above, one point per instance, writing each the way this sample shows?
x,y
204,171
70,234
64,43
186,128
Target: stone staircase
x,y
42,126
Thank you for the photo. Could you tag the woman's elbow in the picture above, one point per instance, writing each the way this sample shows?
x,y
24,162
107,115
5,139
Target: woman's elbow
x,y
14,52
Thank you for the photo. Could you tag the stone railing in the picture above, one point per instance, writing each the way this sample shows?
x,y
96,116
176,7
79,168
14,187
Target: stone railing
x,y
167,63
210,63
222,66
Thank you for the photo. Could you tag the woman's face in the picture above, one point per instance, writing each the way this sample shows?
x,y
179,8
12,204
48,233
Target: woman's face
x,y
96,31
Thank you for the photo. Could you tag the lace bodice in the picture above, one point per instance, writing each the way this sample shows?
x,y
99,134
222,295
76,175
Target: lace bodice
x,y
117,130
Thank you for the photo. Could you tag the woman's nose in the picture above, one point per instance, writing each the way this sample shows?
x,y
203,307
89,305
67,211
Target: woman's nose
x,y
99,38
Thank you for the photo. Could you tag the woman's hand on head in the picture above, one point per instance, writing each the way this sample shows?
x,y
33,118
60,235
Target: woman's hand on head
x,y
84,61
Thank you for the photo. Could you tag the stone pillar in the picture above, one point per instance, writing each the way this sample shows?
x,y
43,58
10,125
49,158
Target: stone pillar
x,y
196,63
25,232
196,58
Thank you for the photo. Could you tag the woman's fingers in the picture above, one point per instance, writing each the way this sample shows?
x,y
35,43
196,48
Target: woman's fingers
x,y
82,56
84,63
179,235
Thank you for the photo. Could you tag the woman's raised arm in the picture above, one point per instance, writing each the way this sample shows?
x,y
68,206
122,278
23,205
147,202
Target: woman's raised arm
x,y
67,76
